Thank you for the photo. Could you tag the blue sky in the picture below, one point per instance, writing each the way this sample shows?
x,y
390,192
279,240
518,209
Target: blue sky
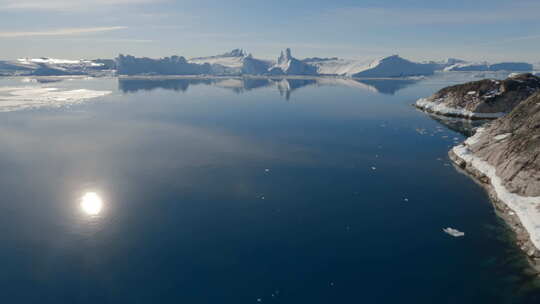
x,y
492,30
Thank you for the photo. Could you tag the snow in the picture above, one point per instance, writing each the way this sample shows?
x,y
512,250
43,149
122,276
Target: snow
x,y
502,136
389,66
23,98
525,207
56,61
438,107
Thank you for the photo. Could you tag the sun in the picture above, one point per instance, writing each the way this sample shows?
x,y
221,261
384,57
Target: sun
x,y
91,203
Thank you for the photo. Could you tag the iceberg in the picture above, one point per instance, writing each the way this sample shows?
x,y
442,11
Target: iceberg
x,y
453,232
384,67
485,67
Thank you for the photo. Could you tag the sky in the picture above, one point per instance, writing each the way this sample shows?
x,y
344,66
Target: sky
x,y
492,30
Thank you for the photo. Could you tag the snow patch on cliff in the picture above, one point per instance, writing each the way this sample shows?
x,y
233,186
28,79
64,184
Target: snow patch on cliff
x,y
440,108
527,208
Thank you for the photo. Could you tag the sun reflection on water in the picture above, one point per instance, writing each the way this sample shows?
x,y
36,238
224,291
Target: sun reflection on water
x,y
91,203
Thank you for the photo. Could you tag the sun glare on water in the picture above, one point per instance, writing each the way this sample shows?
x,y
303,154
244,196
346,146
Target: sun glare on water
x,y
91,203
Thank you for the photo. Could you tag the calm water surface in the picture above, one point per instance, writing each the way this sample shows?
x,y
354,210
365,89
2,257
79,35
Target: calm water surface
x,y
246,191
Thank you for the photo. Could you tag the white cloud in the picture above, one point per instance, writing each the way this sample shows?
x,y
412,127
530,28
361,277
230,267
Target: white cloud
x,y
66,5
393,16
513,39
62,32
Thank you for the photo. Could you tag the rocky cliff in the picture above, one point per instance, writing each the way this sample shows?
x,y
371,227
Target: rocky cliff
x,y
505,157
482,99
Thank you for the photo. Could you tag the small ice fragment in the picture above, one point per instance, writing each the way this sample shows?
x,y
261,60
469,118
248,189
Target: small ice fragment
x,y
262,197
266,170
259,300
405,199
373,168
453,232
331,283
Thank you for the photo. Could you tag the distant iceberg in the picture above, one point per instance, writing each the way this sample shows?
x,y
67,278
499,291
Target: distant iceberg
x,y
239,62
484,67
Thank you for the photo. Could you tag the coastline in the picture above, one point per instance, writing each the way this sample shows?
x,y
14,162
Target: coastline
x,y
440,108
521,213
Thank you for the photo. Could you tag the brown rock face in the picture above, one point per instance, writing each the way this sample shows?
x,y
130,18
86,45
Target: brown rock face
x,y
512,145
488,95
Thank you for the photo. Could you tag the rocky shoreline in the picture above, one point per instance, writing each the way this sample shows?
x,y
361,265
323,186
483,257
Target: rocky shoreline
x,y
484,99
504,157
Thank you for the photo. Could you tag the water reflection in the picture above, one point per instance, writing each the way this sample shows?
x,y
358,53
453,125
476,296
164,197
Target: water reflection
x,y
240,85
460,125
91,203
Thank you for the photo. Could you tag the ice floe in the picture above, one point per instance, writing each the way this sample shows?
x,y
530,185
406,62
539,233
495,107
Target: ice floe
x,y
23,98
454,232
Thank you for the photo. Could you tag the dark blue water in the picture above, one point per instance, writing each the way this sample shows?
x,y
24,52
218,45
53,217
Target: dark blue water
x,y
255,191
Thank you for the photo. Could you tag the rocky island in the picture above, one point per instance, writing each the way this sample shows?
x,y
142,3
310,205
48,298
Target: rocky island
x,y
484,99
504,157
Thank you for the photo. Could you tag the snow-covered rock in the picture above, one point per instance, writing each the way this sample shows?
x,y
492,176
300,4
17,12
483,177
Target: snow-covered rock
x,y
505,157
484,99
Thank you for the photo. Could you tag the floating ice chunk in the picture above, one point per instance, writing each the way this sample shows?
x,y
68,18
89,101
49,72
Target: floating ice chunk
x,y
266,170
373,168
454,232
405,199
